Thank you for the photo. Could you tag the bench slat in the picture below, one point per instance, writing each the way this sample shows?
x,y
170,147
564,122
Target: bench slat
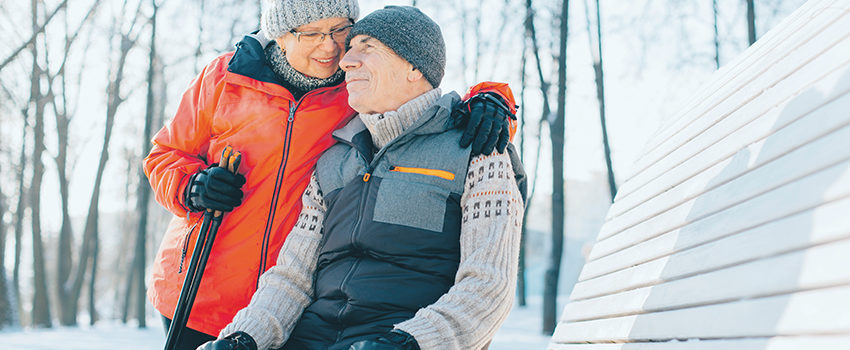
x,y
807,228
628,249
797,271
777,343
823,311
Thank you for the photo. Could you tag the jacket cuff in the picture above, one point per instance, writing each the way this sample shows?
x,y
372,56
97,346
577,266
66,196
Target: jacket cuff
x,y
185,200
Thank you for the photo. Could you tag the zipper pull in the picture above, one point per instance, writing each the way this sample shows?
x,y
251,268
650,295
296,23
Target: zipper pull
x,y
366,177
292,108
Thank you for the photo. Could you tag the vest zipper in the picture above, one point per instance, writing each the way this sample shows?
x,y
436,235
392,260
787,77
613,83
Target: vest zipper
x,y
354,231
287,140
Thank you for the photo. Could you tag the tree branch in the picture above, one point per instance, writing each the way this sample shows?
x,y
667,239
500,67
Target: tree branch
x,y
34,35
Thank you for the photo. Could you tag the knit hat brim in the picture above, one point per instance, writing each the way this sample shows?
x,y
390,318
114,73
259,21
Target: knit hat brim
x,y
281,16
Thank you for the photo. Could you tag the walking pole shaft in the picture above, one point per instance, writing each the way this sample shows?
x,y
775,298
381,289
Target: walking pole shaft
x,y
212,220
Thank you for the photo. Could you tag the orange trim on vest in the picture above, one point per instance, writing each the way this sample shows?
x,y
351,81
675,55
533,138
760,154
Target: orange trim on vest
x,y
422,171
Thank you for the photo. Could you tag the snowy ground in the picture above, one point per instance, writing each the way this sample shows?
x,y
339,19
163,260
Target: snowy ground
x,y
520,331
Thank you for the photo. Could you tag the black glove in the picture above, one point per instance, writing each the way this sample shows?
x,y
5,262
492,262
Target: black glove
x,y
234,341
214,188
394,340
486,118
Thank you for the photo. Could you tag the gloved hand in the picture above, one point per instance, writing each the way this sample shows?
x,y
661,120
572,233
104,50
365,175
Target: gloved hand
x,y
234,341
394,340
486,118
214,188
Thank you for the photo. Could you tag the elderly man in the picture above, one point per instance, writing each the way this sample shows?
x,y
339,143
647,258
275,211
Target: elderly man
x,y
405,241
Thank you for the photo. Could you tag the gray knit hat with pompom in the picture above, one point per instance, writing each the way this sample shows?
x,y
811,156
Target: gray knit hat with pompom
x,y
411,34
281,16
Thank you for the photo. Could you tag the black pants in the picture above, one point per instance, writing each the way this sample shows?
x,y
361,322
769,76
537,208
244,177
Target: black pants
x,y
190,339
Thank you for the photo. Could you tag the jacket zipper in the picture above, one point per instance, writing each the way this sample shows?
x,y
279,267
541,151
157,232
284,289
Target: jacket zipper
x,y
423,171
278,184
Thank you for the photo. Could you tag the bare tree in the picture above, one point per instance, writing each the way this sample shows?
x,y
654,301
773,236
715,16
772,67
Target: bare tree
x,y
530,35
143,192
751,21
716,36
596,54
18,220
550,290
114,99
41,303
557,128
37,30
6,307
63,112
520,281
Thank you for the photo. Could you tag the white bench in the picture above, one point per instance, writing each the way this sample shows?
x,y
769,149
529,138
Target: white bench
x,y
734,232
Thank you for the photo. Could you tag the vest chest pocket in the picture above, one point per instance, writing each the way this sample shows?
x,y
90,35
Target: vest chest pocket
x,y
411,204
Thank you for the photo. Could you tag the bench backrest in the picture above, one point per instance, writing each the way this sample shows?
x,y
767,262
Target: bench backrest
x,y
734,232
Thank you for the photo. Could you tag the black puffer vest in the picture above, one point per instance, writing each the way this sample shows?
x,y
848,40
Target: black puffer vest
x,y
391,231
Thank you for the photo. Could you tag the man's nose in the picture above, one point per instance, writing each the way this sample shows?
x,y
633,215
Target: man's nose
x,y
349,61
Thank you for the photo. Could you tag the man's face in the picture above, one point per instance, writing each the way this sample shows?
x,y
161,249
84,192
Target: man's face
x,y
377,77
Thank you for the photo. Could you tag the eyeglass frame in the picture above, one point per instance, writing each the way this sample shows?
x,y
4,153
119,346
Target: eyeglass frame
x,y
322,39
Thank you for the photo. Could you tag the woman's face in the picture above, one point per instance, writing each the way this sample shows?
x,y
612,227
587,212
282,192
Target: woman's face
x,y
316,55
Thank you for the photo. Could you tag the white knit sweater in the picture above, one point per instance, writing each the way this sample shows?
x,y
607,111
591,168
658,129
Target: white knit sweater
x,y
466,317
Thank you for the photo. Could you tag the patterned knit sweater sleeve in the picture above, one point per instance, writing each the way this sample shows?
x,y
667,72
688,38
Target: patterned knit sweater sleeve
x,y
468,315
286,289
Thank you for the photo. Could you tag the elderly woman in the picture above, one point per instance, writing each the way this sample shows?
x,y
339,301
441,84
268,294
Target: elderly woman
x,y
277,102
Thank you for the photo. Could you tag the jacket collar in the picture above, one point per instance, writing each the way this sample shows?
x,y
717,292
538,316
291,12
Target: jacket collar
x,y
250,59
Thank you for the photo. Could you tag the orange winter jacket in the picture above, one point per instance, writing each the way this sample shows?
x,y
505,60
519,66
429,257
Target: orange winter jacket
x,y
235,101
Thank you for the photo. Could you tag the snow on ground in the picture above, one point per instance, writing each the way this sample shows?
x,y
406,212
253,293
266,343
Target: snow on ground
x,y
520,331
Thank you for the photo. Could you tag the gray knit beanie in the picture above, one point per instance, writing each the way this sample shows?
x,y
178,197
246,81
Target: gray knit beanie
x,y
411,34
281,16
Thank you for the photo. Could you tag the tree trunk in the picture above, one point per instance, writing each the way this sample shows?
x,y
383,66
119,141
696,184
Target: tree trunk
x,y
596,53
41,303
19,217
67,313
550,293
64,262
716,36
520,281
93,276
6,311
144,192
751,21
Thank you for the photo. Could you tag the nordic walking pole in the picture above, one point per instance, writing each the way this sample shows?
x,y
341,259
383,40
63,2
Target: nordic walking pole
x,y
229,161
233,165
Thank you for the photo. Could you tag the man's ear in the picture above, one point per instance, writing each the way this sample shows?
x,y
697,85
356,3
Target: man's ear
x,y
414,75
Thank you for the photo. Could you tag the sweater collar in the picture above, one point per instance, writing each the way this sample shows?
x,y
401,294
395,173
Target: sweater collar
x,y
385,127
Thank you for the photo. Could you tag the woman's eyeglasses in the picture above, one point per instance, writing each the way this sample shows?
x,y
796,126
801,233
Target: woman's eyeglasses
x,y
314,38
